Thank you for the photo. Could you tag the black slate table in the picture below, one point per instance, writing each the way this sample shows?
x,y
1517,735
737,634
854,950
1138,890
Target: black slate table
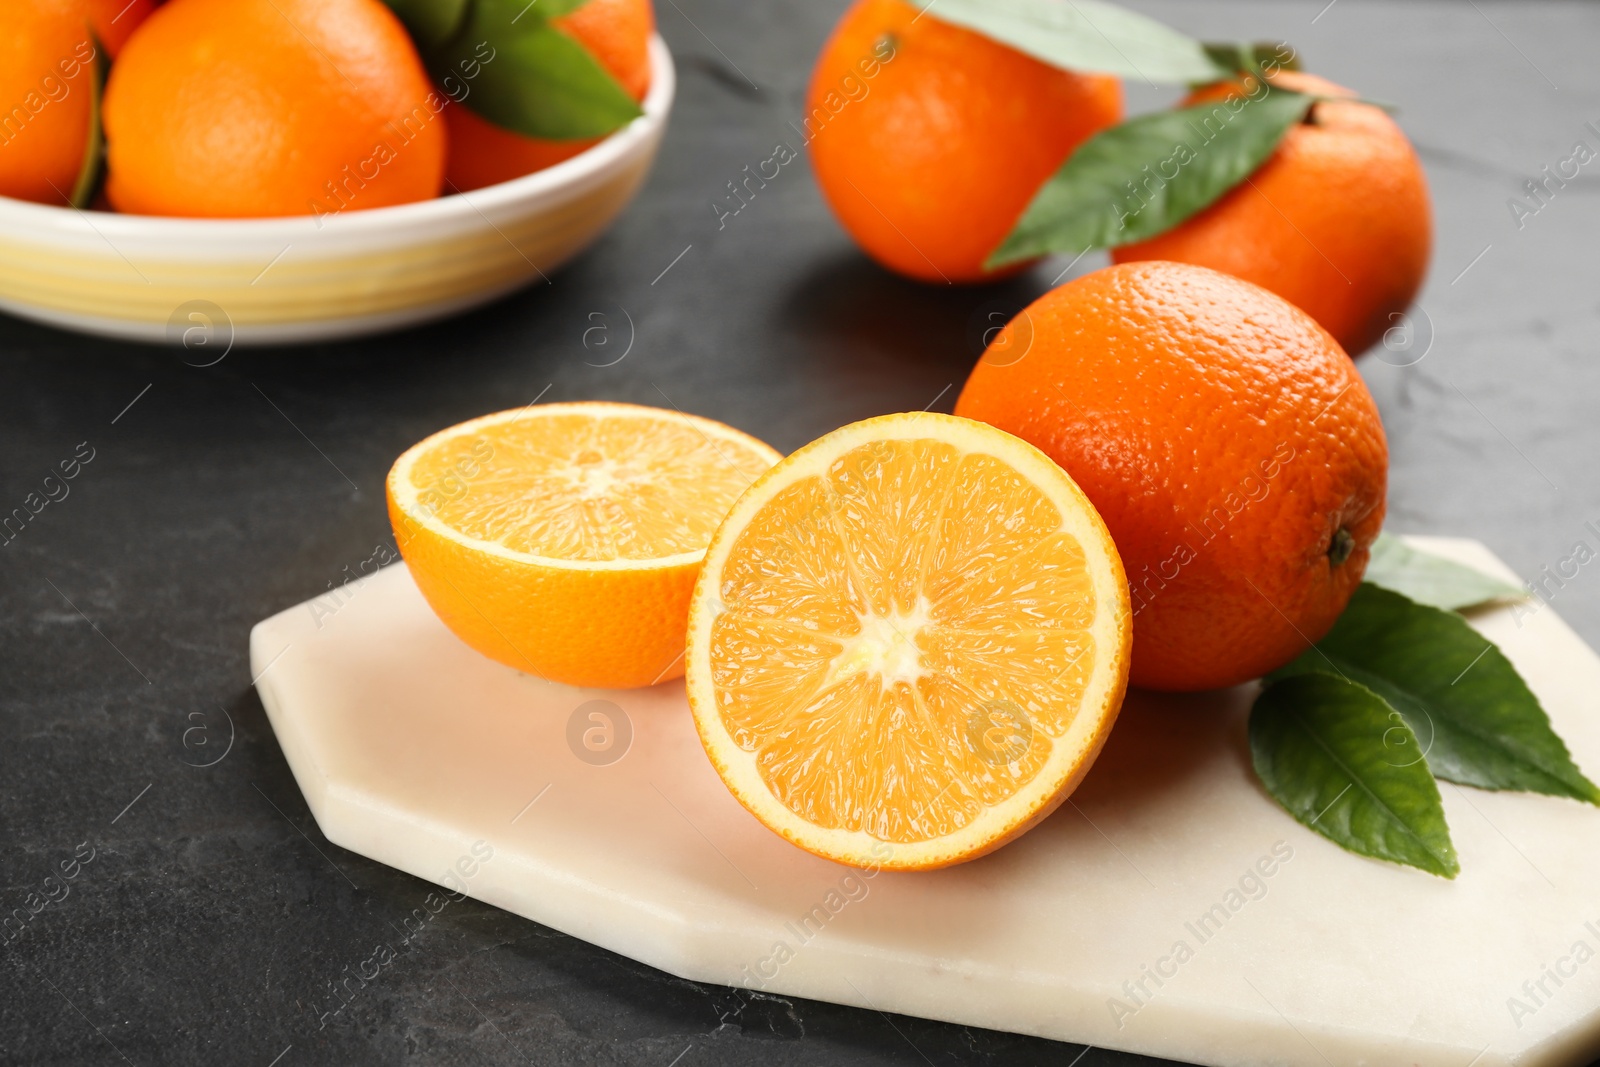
x,y
214,915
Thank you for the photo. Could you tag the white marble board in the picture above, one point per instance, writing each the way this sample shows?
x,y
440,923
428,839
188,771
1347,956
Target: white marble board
x,y
417,752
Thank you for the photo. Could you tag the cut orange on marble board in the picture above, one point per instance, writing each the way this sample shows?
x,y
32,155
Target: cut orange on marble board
x,y
909,642
564,539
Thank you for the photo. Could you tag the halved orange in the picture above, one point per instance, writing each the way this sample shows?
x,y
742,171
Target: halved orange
x,y
564,539
908,642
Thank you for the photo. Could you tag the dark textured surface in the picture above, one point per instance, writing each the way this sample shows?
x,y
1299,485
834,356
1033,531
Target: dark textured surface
x,y
214,916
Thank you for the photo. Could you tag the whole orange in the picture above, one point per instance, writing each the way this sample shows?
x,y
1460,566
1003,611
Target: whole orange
x,y
929,140
617,33
115,20
231,108
1336,221
1226,440
46,87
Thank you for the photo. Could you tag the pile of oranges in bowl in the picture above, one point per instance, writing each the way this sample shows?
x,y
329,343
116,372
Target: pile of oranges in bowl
x,y
257,108
208,173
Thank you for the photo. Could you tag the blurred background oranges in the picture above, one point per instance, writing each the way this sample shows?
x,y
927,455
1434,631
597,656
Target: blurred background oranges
x,y
1337,221
226,108
47,59
928,140
114,21
250,108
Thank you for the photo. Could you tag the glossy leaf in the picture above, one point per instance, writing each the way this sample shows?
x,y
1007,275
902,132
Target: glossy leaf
x,y
1247,56
1151,173
1325,748
554,9
1478,722
1085,35
1430,579
92,169
530,77
431,23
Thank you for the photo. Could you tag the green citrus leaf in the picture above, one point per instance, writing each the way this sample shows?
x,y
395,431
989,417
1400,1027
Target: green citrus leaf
x,y
530,77
1432,580
554,9
1088,35
431,23
94,153
1147,175
1247,56
1478,722
1324,748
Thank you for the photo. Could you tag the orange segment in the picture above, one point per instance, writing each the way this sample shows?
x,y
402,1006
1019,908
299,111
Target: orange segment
x,y
909,642
564,539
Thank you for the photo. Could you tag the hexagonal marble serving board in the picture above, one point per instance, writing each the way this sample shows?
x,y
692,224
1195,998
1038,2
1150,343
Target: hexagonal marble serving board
x,y
1171,908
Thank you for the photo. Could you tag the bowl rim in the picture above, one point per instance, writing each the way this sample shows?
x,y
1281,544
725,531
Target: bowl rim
x,y
24,216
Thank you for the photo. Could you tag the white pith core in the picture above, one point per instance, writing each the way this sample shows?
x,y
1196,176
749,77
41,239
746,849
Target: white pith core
x,y
886,646
595,476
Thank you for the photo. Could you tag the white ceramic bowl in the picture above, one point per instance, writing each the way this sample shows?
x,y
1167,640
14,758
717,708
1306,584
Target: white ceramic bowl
x,y
219,282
